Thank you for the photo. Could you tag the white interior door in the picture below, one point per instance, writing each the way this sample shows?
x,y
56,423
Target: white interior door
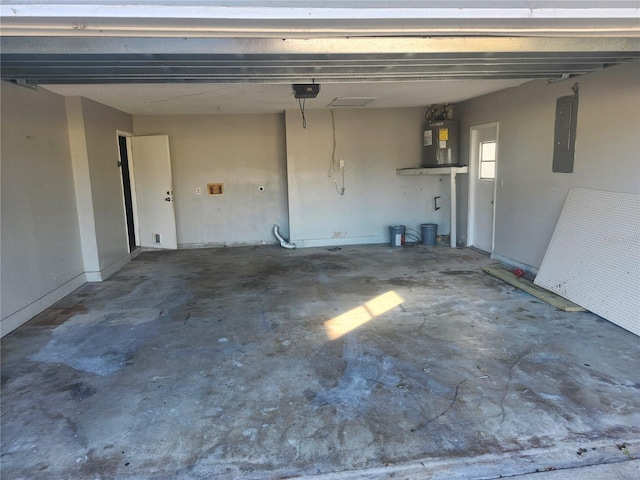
x,y
154,191
484,151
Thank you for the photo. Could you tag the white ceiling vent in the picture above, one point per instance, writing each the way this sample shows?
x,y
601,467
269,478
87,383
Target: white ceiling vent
x,y
351,101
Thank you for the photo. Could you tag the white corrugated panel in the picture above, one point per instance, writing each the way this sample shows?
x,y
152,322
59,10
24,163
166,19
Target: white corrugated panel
x,y
593,258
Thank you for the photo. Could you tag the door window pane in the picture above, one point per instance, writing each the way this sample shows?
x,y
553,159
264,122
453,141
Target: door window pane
x,y
488,160
488,152
488,170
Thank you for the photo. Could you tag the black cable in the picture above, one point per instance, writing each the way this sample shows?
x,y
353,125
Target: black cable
x,y
416,236
301,102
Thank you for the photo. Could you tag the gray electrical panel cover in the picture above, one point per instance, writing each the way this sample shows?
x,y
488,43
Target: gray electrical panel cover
x,y
565,134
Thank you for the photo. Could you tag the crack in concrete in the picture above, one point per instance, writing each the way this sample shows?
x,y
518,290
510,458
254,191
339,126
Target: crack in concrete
x,y
424,320
448,409
506,387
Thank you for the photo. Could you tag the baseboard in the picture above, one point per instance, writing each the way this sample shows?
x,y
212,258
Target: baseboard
x,y
25,314
109,270
307,243
93,276
192,246
339,241
514,263
115,266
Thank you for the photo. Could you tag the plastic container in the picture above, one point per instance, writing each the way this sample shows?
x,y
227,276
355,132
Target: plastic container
x,y
429,233
396,234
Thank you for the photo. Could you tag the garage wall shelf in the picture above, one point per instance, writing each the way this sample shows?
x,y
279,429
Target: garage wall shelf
x,y
452,172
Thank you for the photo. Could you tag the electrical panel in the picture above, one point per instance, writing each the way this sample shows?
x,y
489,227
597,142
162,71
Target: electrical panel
x,y
565,134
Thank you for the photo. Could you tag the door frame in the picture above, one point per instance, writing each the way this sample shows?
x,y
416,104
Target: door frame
x,y
473,179
132,185
152,164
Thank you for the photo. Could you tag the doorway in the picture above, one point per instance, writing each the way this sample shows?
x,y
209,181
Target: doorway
x,y
482,186
123,145
156,225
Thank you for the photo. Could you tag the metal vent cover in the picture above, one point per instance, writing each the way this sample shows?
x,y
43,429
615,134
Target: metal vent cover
x,y
351,102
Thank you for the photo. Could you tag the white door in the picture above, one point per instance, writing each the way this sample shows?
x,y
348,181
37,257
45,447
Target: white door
x,y
154,191
484,153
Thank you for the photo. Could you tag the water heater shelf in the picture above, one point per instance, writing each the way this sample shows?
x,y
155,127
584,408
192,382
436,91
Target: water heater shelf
x,y
431,171
453,173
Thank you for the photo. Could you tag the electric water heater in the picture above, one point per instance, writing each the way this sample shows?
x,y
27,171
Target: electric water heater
x,y
440,144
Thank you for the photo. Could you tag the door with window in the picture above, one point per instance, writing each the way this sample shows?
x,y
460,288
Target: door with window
x,y
484,161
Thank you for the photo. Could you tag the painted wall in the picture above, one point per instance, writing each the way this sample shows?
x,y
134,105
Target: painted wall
x,y
41,253
373,144
101,126
529,196
241,151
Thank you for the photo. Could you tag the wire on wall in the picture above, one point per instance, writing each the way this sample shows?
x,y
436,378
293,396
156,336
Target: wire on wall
x,y
333,165
335,184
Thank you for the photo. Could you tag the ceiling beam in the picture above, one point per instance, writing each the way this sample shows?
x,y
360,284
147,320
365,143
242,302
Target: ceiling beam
x,y
306,19
105,60
315,46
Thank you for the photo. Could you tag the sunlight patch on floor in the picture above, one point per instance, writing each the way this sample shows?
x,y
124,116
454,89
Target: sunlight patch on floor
x,y
343,324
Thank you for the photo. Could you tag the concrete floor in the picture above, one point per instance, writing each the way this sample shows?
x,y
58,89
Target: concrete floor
x,y
215,363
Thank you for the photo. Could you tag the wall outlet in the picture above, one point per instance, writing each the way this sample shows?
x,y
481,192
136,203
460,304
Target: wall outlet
x,y
341,163
198,191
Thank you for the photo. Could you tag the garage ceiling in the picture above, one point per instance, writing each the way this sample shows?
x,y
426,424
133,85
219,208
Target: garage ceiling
x,y
242,57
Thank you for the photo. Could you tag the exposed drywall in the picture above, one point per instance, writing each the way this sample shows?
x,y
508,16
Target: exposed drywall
x,y
41,252
243,152
529,196
373,144
101,125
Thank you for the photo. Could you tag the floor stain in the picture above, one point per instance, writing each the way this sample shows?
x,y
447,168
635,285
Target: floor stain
x,y
215,363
